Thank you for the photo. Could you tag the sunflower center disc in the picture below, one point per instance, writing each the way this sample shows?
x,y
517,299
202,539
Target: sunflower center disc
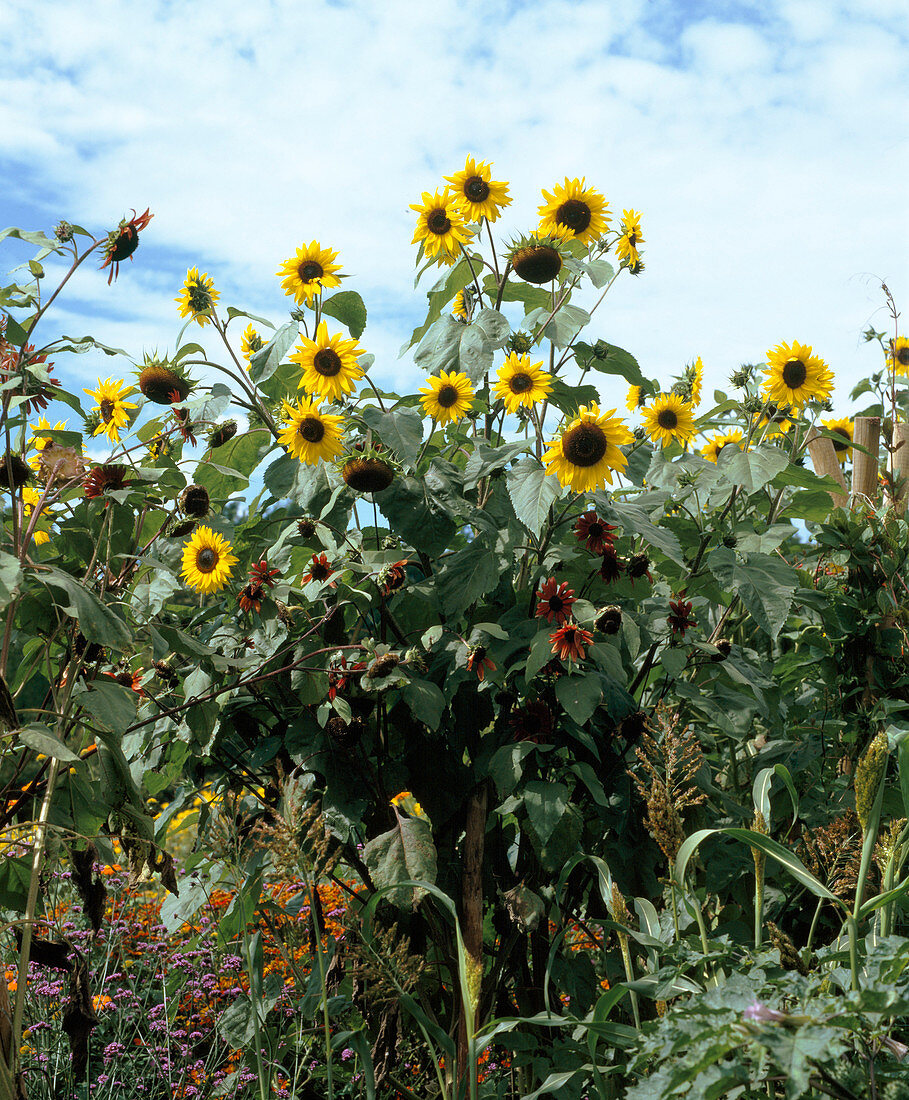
x,y
794,374
438,222
839,445
584,445
311,429
556,603
521,383
318,572
327,362
476,189
902,357
575,214
447,396
667,419
206,560
310,270
106,408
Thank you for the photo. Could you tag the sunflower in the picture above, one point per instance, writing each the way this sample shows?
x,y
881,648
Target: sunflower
x,y
111,407
448,396
476,195
320,570
310,434
635,399
842,426
596,534
568,642
250,342
538,257
102,478
122,242
478,661
630,236
694,379
714,447
459,307
587,452
774,421
198,297
440,226
521,382
207,561
162,384
305,274
574,211
555,601
795,376
329,364
668,417
898,359
41,441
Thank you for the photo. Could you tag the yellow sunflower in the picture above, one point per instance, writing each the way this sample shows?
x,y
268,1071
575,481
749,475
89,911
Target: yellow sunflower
x,y
574,211
30,498
587,452
774,422
476,194
448,396
668,417
111,407
251,342
898,359
305,274
794,376
207,561
329,363
714,446
198,297
459,307
440,227
630,236
842,425
635,398
310,434
521,382
694,377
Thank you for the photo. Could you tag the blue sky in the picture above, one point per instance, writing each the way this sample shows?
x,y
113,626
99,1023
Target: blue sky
x,y
765,146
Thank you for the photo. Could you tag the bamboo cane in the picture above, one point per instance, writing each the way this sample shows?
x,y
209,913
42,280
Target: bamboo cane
x,y
825,462
867,434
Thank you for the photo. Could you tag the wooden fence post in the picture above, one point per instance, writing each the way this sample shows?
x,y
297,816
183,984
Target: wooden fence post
x,y
825,462
867,434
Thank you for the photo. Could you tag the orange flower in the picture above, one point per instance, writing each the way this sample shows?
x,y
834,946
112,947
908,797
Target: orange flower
x,y
568,642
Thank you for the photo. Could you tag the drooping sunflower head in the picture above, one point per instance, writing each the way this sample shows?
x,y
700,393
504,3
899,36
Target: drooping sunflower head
x,y
194,501
111,407
668,417
794,376
121,242
842,427
329,364
522,382
162,383
715,446
310,434
538,257
898,359
367,471
440,227
14,471
574,211
587,452
306,274
198,297
447,397
207,561
476,193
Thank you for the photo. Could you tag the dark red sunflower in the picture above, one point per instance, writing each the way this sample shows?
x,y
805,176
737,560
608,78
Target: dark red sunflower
x,y
569,642
639,566
680,618
339,676
555,601
532,722
393,577
15,361
123,241
102,478
611,567
261,574
250,598
319,570
478,661
594,532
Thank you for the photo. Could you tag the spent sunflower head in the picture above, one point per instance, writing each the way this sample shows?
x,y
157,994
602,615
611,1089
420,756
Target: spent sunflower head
x,y
305,275
537,257
715,446
668,417
448,396
198,297
574,211
522,382
794,376
329,364
587,452
207,561
440,227
111,406
309,434
476,194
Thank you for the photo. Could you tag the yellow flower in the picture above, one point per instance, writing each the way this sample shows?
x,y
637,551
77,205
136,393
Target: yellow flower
x,y
305,274
329,364
476,194
587,452
310,434
111,406
843,427
795,376
41,441
447,397
440,227
668,417
635,399
198,297
898,359
626,247
694,376
715,446
459,307
30,498
250,342
207,561
522,383
574,211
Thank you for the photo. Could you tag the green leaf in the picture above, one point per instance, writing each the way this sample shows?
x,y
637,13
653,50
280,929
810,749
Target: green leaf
x,y
568,399
467,576
441,294
532,493
111,705
235,462
565,326
10,578
348,308
404,853
15,877
636,521
764,582
97,621
401,430
45,741
580,695
485,458
753,469
268,358
15,334
609,359
426,701
495,326
546,804
600,272
413,515
232,312
539,654
506,766
475,353
438,350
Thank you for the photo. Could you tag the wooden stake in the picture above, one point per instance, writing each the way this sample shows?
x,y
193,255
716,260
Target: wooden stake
x,y
867,434
901,463
826,464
